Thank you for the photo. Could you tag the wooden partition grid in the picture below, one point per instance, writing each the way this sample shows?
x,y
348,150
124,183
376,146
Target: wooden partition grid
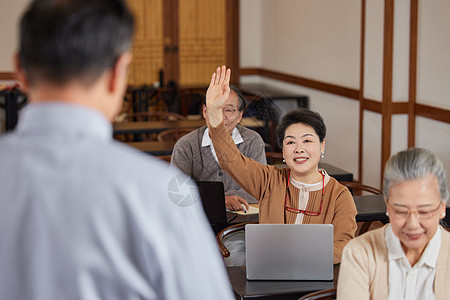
x,y
148,42
202,39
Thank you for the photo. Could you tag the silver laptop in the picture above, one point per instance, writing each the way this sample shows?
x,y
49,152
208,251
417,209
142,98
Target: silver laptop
x,y
289,251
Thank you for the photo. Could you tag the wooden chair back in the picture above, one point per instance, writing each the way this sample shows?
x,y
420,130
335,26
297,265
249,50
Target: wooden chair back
x,y
172,135
357,188
227,231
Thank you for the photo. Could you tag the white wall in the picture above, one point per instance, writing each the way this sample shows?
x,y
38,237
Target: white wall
x,y
433,76
250,39
320,40
11,10
323,36
371,149
434,135
329,53
433,65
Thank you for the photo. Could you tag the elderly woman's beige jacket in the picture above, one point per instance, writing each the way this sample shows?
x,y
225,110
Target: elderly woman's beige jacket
x,y
364,268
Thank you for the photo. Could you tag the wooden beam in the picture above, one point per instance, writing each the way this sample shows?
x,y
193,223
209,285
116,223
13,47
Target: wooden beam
x,y
171,40
249,71
7,76
438,114
400,107
387,83
318,85
434,113
361,90
413,23
371,105
232,31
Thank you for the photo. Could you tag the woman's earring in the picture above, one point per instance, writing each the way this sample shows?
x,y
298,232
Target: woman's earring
x,y
443,215
284,160
323,155
387,214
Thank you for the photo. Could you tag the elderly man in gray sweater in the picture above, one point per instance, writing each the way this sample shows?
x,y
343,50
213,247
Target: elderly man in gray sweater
x,y
194,153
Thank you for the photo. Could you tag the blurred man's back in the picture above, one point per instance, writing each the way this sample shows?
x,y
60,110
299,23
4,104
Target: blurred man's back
x,y
82,216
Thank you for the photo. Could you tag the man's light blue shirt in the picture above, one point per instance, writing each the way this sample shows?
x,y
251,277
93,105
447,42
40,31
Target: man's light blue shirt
x,y
85,217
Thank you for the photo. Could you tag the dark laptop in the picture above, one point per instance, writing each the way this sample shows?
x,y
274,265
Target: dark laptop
x,y
213,199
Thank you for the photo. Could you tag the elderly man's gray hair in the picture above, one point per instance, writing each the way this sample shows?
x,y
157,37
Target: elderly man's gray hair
x,y
241,97
412,164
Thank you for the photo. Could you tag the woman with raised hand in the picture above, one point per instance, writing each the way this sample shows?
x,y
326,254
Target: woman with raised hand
x,y
299,194
409,258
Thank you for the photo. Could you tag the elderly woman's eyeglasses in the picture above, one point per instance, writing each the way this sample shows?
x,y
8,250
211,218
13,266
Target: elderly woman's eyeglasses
x,y
422,214
229,111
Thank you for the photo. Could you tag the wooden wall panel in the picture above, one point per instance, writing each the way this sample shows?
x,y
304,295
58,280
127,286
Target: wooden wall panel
x,y
202,39
148,42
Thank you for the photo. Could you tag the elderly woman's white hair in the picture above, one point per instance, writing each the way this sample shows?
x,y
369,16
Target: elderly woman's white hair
x,y
412,164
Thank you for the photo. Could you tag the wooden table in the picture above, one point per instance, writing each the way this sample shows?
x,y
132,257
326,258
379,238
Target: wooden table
x,y
158,126
273,289
154,126
370,208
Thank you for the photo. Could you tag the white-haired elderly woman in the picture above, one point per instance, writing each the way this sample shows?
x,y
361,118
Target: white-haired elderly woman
x,y
410,257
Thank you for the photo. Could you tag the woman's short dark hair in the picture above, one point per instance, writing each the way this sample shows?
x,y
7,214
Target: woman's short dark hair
x,y
73,39
304,116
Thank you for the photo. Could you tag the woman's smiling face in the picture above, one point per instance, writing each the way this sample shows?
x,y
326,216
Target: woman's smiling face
x,y
302,150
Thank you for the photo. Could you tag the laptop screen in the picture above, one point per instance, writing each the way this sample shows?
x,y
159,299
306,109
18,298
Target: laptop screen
x,y
289,251
213,200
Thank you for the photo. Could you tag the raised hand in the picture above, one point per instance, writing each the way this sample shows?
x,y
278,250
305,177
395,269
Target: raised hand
x,y
217,94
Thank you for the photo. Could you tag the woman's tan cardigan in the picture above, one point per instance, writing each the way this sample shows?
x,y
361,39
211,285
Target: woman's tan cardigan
x,y
268,185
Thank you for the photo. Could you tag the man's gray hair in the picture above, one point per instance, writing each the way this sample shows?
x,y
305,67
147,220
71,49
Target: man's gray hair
x,y
241,97
412,164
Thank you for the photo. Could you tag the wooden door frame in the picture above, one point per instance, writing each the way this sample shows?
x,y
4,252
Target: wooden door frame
x,y
232,38
170,29
170,40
